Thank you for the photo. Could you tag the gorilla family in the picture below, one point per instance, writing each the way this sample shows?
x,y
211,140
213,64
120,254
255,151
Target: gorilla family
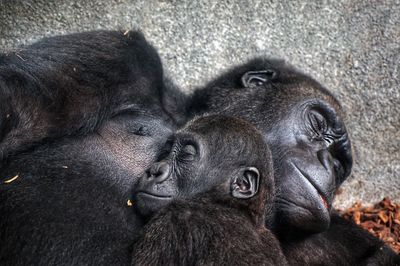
x,y
212,211
82,116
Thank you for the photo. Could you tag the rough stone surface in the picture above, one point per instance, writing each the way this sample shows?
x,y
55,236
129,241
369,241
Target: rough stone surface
x,y
351,46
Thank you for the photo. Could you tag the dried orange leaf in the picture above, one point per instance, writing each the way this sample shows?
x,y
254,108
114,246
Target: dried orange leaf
x,y
129,203
383,216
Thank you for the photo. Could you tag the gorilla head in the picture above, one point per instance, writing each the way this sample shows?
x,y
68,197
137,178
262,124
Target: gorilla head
x,y
222,154
68,85
302,122
217,173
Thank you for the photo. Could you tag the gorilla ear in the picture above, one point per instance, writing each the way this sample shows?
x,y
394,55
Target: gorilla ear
x,y
245,186
258,78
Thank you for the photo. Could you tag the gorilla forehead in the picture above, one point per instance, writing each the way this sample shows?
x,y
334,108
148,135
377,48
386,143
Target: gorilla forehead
x,y
227,135
210,127
267,107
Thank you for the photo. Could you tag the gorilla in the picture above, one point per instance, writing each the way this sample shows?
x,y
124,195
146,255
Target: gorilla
x,y
303,124
211,191
82,116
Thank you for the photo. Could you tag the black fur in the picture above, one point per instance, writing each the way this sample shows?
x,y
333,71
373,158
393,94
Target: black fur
x,y
82,115
81,118
214,224
344,243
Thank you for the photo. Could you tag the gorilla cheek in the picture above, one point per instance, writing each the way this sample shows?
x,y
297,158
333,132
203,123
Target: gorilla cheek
x,y
133,153
134,141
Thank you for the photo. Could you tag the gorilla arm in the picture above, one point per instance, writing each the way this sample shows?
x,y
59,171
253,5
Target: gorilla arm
x,y
196,234
344,243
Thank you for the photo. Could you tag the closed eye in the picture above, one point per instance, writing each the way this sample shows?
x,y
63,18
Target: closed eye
x,y
318,122
188,152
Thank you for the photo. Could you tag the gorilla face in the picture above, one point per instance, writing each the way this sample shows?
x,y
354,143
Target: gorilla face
x,y
312,156
303,124
222,154
173,176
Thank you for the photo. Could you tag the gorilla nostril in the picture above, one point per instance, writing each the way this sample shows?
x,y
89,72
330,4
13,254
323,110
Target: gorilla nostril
x,y
160,171
342,150
325,159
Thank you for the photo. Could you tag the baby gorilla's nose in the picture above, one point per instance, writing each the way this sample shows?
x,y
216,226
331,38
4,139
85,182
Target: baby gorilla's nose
x,y
160,171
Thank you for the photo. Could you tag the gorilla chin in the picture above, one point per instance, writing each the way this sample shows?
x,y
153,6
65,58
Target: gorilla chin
x,y
305,206
307,218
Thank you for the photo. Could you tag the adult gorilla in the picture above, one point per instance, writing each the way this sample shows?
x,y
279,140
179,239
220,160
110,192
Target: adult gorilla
x,y
81,118
303,124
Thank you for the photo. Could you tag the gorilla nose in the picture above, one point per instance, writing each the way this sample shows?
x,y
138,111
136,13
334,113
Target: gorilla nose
x,y
325,159
160,171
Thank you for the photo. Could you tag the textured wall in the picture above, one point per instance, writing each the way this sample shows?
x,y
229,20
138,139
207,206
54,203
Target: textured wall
x,y
351,46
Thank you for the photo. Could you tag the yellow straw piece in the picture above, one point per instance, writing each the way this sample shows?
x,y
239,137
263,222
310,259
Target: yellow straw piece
x,y
11,179
129,203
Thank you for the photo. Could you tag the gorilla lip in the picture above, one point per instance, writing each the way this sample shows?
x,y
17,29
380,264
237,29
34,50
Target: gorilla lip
x,y
323,199
153,194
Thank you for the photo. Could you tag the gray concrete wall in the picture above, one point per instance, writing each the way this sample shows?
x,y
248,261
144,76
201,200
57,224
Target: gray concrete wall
x,y
352,46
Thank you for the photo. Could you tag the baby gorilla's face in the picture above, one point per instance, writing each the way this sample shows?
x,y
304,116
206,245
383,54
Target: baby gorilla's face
x,y
194,162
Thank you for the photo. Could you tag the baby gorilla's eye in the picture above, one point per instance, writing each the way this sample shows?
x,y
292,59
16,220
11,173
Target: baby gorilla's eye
x,y
188,152
190,149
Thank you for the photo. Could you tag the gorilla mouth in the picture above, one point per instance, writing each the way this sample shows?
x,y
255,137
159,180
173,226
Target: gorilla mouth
x,y
320,194
324,201
153,195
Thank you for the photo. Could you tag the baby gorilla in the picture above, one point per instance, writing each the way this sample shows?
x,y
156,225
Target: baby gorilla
x,y
212,188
